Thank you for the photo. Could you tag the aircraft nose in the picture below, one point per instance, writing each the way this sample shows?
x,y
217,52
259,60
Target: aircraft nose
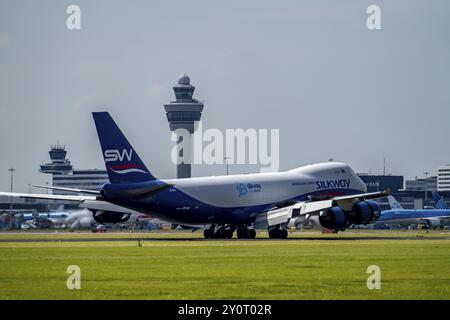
x,y
361,184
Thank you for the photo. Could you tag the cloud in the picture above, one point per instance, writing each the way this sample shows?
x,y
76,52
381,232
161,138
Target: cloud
x,y
4,39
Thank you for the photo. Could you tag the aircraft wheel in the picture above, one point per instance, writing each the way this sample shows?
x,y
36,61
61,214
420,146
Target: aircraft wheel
x,y
207,234
243,233
272,234
252,233
278,234
229,231
220,233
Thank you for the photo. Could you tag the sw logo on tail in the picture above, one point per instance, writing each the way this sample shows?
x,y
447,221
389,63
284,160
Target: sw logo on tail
x,y
114,155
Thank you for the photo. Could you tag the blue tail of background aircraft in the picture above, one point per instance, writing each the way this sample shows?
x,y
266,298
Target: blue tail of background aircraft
x,y
439,201
121,160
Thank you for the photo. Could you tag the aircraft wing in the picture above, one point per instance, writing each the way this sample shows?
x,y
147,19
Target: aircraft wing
x,y
282,214
361,196
48,196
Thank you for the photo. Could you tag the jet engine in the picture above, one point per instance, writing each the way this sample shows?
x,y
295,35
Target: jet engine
x,y
433,223
110,217
364,212
333,219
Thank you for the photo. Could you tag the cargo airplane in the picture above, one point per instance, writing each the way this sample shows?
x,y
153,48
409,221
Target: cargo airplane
x,y
329,193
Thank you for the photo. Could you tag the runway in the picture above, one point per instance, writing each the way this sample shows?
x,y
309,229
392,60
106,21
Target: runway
x,y
159,239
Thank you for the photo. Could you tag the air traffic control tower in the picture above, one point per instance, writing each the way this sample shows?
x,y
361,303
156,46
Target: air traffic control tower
x,y
182,114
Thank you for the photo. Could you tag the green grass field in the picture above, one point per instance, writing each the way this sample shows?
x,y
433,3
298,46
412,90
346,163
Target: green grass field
x,y
292,269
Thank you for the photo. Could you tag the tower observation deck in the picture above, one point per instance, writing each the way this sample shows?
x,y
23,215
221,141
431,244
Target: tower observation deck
x,y
59,164
182,114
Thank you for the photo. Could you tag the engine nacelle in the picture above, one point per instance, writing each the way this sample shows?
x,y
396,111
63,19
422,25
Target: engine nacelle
x,y
433,223
334,219
110,217
364,212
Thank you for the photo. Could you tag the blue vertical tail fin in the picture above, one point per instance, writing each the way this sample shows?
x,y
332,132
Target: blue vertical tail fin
x,y
121,160
393,203
439,201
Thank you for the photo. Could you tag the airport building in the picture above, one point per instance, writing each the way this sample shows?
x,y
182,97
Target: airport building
x,y
443,178
428,184
376,183
182,114
65,176
59,164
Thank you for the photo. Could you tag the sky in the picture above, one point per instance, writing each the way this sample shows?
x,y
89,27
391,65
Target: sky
x,y
311,69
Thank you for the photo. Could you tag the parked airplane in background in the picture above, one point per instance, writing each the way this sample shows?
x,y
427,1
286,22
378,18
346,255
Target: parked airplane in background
x,y
82,219
43,219
59,219
330,193
430,217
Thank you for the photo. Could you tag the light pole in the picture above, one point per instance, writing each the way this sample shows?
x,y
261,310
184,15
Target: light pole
x,y
11,171
426,186
226,162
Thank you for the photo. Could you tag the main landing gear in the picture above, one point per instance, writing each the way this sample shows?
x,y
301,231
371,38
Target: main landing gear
x,y
225,231
243,232
278,233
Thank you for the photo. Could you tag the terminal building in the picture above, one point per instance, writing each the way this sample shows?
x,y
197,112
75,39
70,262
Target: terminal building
x,y
376,183
422,184
443,178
